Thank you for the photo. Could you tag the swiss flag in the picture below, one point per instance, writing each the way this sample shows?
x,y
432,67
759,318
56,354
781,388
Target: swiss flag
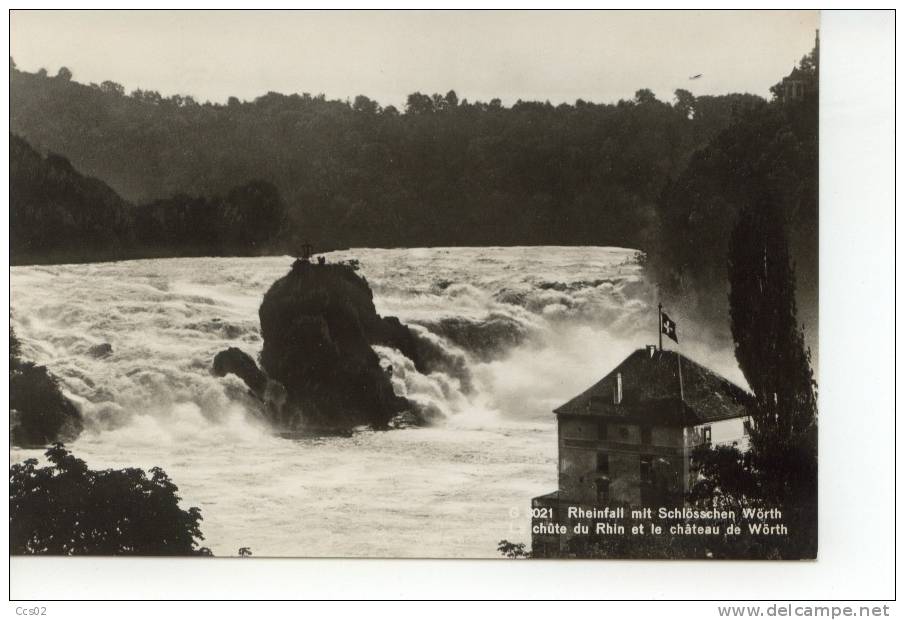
x,y
668,327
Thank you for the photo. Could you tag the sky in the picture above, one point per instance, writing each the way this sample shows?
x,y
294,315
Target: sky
x,y
558,56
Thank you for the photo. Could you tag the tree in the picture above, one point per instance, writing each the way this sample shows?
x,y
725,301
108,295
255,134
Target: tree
x,y
365,105
512,550
112,88
64,74
685,101
146,96
645,95
452,99
416,103
769,347
725,479
68,509
769,344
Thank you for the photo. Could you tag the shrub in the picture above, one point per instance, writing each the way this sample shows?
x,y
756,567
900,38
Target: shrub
x,y
69,509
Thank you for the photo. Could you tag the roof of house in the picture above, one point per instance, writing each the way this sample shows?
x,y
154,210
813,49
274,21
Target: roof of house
x,y
652,393
798,74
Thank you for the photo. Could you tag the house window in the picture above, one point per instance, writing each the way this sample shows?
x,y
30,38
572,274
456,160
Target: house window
x,y
603,491
645,434
623,432
705,433
647,469
603,463
601,431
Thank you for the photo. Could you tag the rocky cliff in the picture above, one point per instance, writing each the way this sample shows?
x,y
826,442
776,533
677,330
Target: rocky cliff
x,y
39,413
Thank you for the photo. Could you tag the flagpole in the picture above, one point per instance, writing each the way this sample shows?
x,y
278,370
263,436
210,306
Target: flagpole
x,y
660,324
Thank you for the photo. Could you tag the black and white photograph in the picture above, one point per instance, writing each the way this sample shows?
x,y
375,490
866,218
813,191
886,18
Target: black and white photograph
x,y
514,285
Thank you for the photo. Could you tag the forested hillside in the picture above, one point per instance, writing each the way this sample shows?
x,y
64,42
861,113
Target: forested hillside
x,y
56,214
54,211
444,171
669,178
772,152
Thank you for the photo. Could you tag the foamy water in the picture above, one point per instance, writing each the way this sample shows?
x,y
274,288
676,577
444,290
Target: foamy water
x,y
532,326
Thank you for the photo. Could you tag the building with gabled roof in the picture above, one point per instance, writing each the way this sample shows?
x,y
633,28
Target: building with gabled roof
x,y
800,83
797,85
664,386
627,440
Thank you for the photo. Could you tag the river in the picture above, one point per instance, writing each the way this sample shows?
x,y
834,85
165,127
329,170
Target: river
x,y
534,326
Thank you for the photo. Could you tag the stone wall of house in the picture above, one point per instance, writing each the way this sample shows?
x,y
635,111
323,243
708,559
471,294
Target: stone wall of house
x,y
606,467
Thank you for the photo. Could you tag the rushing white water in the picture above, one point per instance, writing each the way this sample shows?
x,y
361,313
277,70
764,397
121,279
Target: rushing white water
x,y
532,326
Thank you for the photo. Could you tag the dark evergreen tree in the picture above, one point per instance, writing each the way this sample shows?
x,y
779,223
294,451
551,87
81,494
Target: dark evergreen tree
x,y
770,349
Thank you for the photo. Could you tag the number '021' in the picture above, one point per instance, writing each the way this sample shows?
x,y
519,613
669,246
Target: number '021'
x,y
542,513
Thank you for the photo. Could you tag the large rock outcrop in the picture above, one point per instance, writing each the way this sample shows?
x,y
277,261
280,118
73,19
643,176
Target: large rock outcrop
x,y
318,323
271,394
239,363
